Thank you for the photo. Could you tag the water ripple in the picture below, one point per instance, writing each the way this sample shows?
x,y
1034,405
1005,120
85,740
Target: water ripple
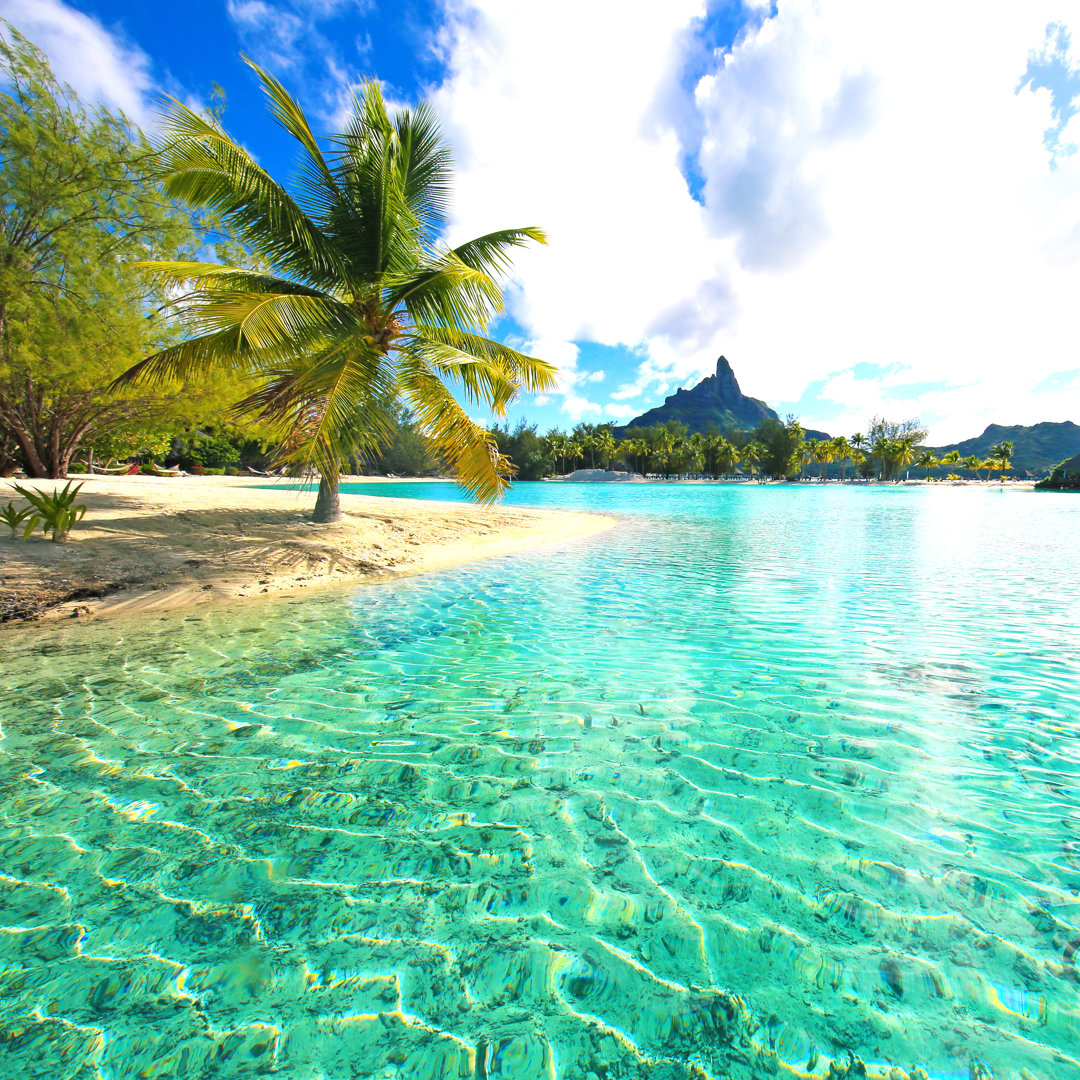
x,y
773,789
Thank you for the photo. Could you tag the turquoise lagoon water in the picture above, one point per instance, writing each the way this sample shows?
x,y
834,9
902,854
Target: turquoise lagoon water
x,y
764,782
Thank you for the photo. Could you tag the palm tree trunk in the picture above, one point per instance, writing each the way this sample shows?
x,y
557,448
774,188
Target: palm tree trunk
x,y
328,503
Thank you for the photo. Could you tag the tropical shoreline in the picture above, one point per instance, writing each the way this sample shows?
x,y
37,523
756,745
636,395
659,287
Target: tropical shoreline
x,y
156,543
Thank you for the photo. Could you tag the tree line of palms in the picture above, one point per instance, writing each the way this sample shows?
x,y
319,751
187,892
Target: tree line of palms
x,y
668,450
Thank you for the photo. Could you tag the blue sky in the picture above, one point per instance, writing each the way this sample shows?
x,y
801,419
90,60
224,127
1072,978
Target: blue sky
x,y
866,208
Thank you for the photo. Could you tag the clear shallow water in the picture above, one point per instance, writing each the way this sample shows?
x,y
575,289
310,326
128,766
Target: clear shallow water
x,y
762,782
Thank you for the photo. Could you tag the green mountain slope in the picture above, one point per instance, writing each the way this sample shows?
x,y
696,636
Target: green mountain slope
x,y
716,402
1036,449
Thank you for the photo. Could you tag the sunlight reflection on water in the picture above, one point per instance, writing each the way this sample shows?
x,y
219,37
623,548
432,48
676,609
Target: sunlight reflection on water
x,y
765,779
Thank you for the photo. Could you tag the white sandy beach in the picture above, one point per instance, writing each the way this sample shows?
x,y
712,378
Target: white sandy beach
x,y
154,542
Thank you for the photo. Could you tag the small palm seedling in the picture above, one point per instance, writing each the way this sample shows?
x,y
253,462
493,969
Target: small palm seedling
x,y
13,518
55,513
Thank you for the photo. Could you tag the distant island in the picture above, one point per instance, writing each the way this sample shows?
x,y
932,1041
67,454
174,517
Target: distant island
x,y
716,403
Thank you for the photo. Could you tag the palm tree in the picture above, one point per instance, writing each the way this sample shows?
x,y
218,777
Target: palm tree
x,y
974,463
951,459
822,451
605,444
1001,456
882,448
587,441
696,450
904,451
554,443
841,451
858,459
927,461
634,449
575,451
352,303
751,455
727,456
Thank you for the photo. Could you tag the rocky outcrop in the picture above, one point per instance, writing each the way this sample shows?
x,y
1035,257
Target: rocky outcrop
x,y
716,402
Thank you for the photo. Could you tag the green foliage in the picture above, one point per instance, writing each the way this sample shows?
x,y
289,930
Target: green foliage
x,y
56,513
1063,477
525,450
134,440
210,452
148,470
75,210
781,445
407,452
13,518
893,442
349,304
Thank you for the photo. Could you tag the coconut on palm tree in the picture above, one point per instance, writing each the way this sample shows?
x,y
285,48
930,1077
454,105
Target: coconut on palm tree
x,y
352,303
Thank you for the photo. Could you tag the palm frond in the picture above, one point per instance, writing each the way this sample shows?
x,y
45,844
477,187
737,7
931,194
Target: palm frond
x,y
274,324
203,167
221,351
491,253
468,447
423,165
328,405
449,293
199,275
482,381
374,226
529,372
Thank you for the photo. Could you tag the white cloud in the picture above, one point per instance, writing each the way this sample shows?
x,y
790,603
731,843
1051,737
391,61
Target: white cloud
x,y
875,189
99,66
556,129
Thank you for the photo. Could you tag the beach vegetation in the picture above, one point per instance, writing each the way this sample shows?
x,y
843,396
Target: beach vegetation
x,y
842,450
782,446
1001,456
76,208
348,303
13,516
525,449
973,463
56,512
1063,477
925,460
892,443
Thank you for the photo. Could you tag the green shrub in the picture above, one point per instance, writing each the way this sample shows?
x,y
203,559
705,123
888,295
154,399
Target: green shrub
x,y
213,472
55,513
147,470
13,518
211,452
231,471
